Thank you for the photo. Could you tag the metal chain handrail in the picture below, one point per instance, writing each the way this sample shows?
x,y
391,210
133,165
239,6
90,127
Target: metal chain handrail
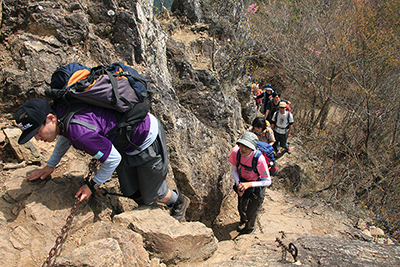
x,y
291,248
64,230
61,237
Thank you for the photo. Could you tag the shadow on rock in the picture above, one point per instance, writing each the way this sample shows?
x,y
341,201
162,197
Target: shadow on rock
x,y
223,232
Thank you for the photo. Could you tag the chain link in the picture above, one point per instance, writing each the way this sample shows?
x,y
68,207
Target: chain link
x,y
60,239
64,230
292,249
92,167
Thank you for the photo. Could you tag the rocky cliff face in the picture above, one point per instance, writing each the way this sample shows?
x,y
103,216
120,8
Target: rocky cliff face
x,y
201,117
41,36
38,37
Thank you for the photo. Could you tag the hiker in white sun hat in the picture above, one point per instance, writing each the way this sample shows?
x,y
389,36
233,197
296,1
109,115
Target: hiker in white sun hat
x,y
251,176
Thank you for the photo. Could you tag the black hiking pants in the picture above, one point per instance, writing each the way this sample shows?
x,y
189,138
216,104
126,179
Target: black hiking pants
x,y
281,140
249,205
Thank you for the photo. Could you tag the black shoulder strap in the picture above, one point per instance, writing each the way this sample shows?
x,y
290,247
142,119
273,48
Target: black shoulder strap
x,y
255,160
114,84
253,163
66,120
238,159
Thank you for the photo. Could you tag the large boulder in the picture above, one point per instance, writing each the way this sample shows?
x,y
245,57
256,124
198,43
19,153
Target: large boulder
x,y
118,246
166,238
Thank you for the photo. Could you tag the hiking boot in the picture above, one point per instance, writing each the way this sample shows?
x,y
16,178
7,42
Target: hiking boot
x,y
179,207
246,231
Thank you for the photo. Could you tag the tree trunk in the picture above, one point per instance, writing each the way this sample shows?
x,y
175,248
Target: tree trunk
x,y
323,114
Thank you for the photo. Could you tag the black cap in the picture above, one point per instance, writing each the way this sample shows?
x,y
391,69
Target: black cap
x,y
30,117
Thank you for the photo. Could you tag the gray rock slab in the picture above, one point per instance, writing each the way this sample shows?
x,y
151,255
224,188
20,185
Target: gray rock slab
x,y
168,239
27,152
104,252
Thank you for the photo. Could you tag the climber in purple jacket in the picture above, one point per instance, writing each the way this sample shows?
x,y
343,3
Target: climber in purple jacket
x,y
141,174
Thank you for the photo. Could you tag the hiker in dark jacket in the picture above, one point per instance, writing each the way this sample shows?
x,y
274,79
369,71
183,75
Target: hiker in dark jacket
x,y
249,185
265,96
272,106
141,175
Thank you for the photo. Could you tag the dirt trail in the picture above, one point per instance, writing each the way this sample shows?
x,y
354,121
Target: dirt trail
x,y
279,212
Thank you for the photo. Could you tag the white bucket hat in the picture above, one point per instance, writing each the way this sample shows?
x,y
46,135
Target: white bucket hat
x,y
248,139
